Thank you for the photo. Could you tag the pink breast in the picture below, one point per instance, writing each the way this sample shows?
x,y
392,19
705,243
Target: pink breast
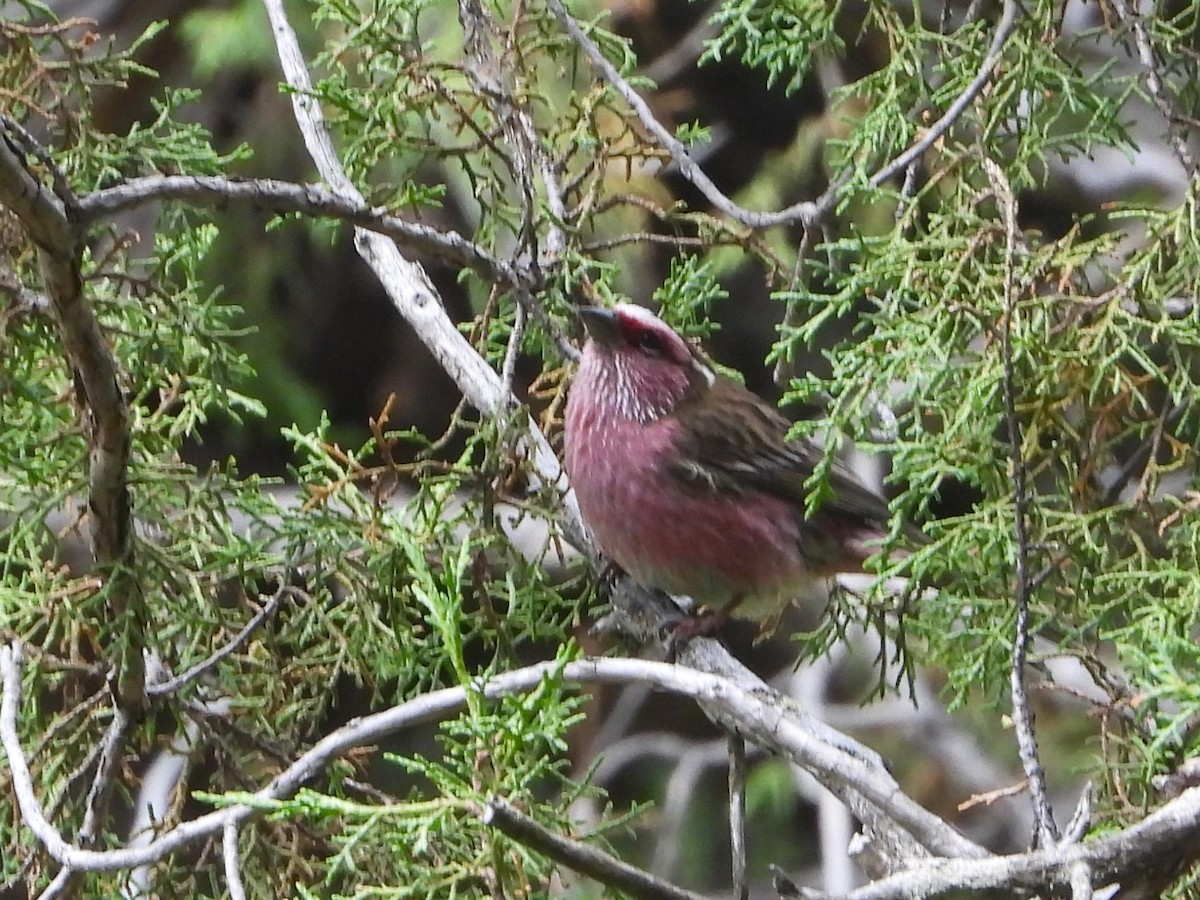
x,y
672,535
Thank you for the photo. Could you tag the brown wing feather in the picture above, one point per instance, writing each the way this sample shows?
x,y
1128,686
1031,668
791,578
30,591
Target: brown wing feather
x,y
755,455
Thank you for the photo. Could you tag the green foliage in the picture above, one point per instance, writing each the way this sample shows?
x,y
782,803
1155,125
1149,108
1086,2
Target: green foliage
x,y
52,62
392,595
687,296
1098,365
781,38
394,580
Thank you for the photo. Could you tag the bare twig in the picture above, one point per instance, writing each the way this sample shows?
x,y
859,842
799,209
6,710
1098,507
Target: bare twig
x,y
587,860
908,832
233,865
1081,819
26,142
512,352
1047,830
807,212
1132,17
59,884
908,187
737,815
785,366
987,798
492,79
756,712
1004,30
109,754
786,888
282,198
67,720
678,241
23,298
166,688
110,758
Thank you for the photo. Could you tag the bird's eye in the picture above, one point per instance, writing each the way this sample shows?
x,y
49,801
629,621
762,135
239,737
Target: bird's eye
x,y
650,342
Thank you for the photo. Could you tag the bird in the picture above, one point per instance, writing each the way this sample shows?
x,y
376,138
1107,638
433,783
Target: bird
x,y
687,481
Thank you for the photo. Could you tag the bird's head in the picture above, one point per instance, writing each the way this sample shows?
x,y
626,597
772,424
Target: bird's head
x,y
637,364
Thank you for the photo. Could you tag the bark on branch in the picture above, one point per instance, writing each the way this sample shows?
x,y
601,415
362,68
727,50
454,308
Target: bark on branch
x,y
283,197
53,224
762,715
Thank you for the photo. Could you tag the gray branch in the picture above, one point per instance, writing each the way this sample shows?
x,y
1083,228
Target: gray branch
x,y
737,815
493,80
406,283
171,685
53,224
108,764
1132,17
284,197
761,715
807,212
233,865
1004,30
583,858
1047,830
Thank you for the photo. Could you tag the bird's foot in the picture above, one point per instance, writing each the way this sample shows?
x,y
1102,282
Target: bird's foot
x,y
607,575
704,622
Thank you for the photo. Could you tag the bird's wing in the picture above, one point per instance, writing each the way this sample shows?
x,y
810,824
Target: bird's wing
x,y
732,440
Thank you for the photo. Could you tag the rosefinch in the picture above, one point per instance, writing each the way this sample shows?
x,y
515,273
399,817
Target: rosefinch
x,y
687,481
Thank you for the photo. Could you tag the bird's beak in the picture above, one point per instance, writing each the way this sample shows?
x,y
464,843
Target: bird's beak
x,y
601,324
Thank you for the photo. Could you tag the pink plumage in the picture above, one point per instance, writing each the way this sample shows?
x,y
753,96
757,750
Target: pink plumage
x,y
686,481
